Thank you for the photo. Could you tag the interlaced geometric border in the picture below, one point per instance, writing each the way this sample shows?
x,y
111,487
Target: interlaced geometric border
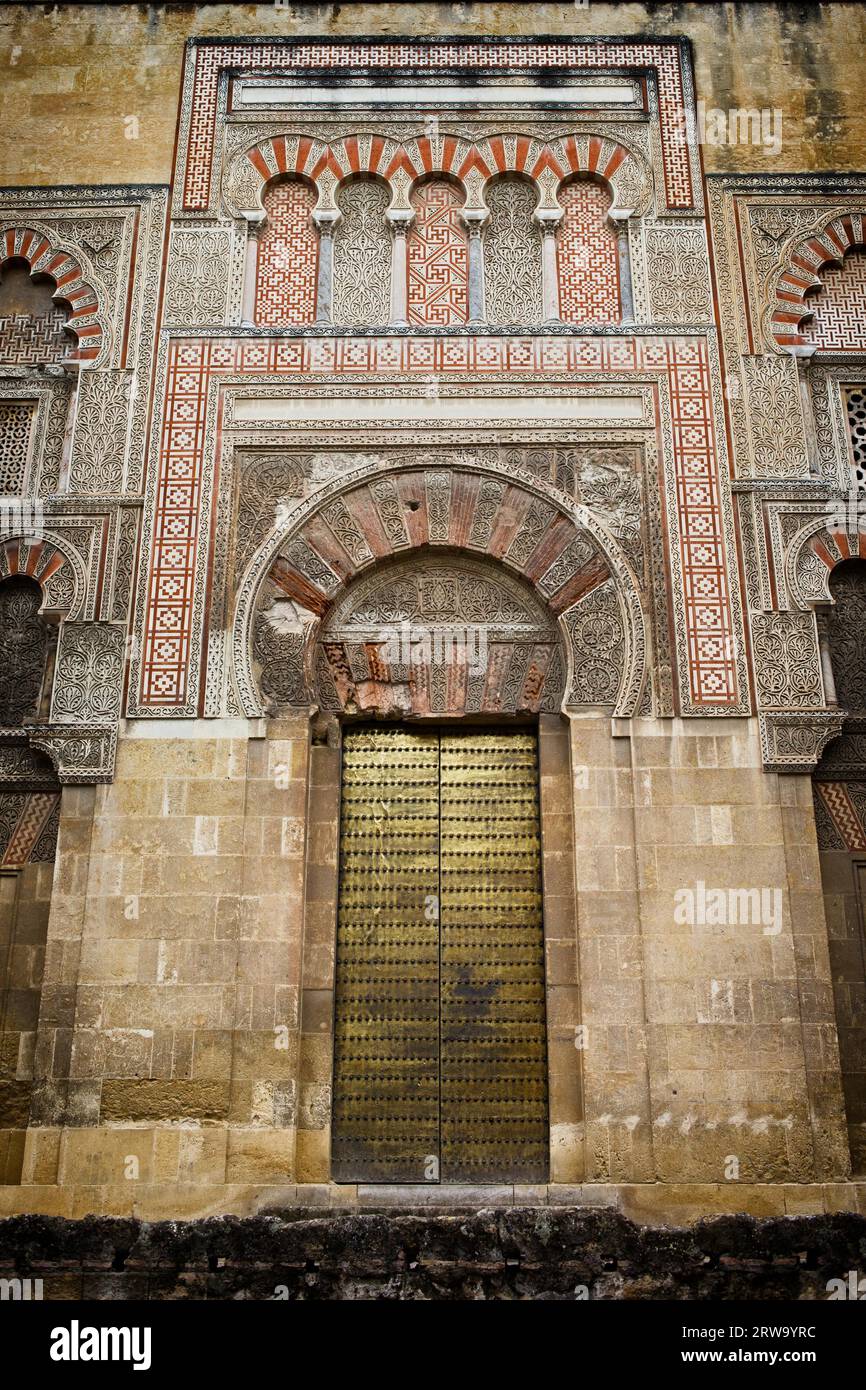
x,y
210,58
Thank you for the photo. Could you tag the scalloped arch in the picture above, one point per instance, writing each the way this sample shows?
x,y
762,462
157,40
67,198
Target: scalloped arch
x,y
401,164
44,258
41,558
801,273
815,551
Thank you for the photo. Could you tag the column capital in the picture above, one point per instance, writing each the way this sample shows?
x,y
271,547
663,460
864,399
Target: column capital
x,y
326,219
400,221
474,219
255,221
548,219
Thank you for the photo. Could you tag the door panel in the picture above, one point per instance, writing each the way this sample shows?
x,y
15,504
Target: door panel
x,y
440,1055
386,1044
493,1047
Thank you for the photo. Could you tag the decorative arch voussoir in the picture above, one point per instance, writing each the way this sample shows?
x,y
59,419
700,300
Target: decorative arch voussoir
x,y
44,258
814,553
560,552
57,569
401,164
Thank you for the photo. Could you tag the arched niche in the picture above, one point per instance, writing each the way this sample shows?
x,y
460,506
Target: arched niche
x,y
27,642
287,254
791,298
362,253
435,635
33,321
46,263
559,550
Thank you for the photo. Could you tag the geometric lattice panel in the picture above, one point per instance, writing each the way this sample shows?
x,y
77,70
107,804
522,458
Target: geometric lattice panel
x,y
28,341
16,428
839,307
288,256
587,260
438,252
855,401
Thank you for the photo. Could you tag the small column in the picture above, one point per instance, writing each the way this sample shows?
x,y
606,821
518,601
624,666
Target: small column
x,y
548,222
619,222
802,358
326,223
399,269
821,617
474,221
255,222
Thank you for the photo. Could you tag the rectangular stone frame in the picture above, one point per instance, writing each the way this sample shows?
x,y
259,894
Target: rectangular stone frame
x,y
321,887
696,497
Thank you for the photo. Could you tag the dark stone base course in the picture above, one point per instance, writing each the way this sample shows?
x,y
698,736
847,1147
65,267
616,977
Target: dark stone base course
x,y
519,1253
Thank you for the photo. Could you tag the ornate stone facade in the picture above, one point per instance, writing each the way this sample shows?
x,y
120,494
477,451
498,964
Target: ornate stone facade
x,y
472,404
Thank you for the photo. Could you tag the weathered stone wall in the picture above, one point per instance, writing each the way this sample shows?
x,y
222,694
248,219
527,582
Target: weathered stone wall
x,y
65,67
713,1041
25,896
184,1047
840,871
182,1053
168,1039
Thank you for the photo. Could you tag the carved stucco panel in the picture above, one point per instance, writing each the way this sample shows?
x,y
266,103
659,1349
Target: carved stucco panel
x,y
362,255
512,254
101,429
678,274
89,673
786,661
598,648
197,291
776,430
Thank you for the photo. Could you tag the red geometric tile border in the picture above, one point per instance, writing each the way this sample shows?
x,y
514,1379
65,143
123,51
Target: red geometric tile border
x,y
708,618
169,616
210,59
